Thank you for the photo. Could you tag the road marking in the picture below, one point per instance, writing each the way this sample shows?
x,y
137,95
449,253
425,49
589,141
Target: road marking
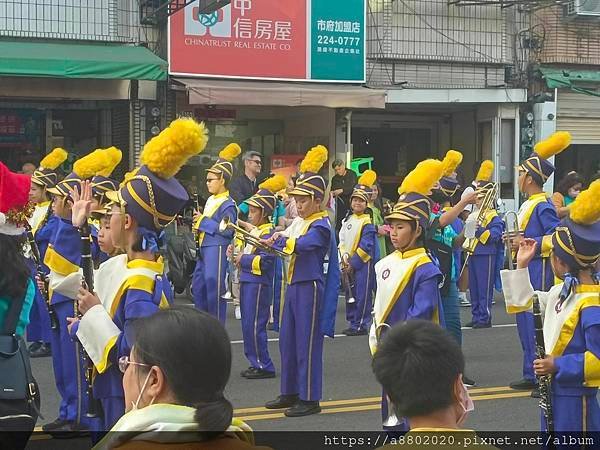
x,y
376,406
352,401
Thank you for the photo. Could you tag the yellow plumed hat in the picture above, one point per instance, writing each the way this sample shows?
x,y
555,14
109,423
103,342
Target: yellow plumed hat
x,y
224,166
585,210
54,159
368,178
486,170
364,188
91,164
555,144
451,161
166,153
310,183
274,184
46,174
537,165
265,197
423,177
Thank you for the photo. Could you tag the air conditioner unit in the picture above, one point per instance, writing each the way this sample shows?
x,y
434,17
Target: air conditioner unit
x,y
583,8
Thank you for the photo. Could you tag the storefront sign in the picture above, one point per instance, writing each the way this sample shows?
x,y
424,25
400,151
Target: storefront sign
x,y
312,40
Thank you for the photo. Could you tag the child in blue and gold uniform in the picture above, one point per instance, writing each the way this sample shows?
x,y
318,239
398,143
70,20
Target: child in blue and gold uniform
x,y
571,312
256,281
408,280
359,251
43,224
133,285
308,312
63,258
484,243
208,283
537,220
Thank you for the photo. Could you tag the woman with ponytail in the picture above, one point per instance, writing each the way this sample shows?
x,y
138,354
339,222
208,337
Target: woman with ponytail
x,y
174,398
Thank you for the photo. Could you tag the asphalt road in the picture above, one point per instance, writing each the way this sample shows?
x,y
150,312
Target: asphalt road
x,y
351,394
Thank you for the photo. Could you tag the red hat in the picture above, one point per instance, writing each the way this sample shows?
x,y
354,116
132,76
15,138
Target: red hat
x,y
14,201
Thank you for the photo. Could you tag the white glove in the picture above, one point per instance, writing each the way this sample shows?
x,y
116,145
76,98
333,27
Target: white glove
x,y
470,227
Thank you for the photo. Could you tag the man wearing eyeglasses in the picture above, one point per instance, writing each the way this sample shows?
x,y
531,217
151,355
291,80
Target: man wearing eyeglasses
x,y
244,186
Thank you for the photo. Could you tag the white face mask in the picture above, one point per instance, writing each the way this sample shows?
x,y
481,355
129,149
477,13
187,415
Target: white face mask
x,y
134,405
466,403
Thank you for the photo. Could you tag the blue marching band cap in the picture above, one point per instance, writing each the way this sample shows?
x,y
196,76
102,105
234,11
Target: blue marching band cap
x,y
47,175
448,184
364,188
310,183
537,165
265,197
224,165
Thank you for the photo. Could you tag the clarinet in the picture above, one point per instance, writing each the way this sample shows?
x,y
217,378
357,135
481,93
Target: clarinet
x,y
545,381
87,265
37,259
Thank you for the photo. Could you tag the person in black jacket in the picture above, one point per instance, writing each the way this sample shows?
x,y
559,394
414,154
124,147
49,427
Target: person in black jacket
x,y
244,186
342,184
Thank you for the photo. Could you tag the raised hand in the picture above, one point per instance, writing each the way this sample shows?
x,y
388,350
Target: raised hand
x,y
86,300
526,252
82,203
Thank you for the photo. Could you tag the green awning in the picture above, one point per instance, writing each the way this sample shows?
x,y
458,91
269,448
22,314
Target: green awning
x,y
571,79
69,60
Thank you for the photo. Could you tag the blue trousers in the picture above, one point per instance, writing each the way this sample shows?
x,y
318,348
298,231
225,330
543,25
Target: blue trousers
x,y
208,282
255,301
569,412
451,308
278,292
359,312
542,279
69,371
481,287
38,329
301,341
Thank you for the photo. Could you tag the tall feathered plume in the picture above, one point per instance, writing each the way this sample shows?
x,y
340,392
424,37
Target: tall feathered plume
x,y
91,164
555,144
423,177
451,161
485,171
314,159
114,156
274,184
585,210
230,152
368,178
54,159
166,153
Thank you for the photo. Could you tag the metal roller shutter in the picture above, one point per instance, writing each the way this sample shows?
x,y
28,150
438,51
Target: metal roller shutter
x,y
580,115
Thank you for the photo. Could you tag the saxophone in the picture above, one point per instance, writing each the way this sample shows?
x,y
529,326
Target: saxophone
x,y
545,381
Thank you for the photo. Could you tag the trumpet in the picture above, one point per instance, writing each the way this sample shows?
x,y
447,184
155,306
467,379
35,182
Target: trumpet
x,y
347,279
511,224
248,237
232,276
488,203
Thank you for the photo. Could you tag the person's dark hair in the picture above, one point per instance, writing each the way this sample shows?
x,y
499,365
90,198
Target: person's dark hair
x,y
567,182
193,350
250,154
15,273
337,163
417,363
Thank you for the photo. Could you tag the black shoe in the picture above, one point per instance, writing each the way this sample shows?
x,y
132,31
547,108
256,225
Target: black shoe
x,y
469,324
53,425
34,346
349,332
41,352
468,382
362,332
482,325
536,393
523,385
249,370
260,374
283,401
303,408
70,430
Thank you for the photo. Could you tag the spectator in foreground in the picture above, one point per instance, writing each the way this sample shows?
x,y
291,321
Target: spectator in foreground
x,y
420,366
174,399
567,191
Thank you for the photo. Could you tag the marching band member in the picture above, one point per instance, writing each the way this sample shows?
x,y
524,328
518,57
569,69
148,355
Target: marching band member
x,y
133,285
256,281
359,252
208,283
63,258
487,237
308,312
408,280
43,224
571,312
537,220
